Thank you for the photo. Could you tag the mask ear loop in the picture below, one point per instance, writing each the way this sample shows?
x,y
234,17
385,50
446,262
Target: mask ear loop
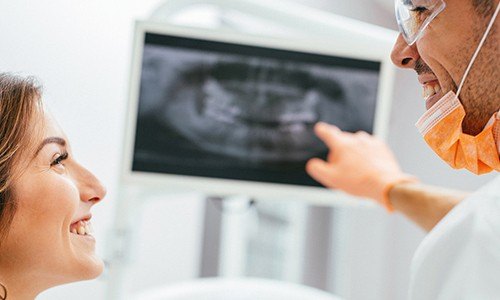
x,y
478,49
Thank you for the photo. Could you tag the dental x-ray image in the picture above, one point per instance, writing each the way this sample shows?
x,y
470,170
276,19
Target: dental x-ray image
x,y
233,111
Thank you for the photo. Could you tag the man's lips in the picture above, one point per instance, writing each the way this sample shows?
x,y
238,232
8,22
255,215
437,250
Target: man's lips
x,y
426,78
432,90
431,100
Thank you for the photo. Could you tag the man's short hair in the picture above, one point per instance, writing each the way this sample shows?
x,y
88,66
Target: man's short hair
x,y
483,7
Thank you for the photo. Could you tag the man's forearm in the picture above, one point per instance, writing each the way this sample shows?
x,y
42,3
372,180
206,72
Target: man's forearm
x,y
425,205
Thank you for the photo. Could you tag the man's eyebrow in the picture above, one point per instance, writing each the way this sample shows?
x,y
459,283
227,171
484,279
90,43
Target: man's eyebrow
x,y
51,140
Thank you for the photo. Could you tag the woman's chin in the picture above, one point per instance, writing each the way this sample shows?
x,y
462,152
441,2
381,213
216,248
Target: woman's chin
x,y
87,267
93,268
90,264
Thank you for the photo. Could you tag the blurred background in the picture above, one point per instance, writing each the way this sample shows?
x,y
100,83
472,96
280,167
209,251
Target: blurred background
x,y
81,51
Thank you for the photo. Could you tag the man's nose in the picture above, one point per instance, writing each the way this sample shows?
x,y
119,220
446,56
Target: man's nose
x,y
403,55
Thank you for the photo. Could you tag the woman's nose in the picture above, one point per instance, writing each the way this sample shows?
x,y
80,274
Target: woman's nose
x,y
90,187
404,55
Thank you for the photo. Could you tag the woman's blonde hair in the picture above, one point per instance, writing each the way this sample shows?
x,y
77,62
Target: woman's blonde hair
x,y
19,102
20,99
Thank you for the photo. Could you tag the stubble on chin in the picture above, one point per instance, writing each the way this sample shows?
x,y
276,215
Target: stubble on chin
x,y
481,94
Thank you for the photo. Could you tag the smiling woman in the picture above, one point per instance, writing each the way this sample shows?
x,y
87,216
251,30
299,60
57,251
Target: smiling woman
x,y
45,198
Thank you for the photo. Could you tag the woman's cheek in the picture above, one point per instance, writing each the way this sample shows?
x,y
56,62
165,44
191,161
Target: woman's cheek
x,y
54,200
65,196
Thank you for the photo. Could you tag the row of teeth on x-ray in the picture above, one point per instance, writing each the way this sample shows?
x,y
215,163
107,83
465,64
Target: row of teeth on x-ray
x,y
252,110
222,103
263,119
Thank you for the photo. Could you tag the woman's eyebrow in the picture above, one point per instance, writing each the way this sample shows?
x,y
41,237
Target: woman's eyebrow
x,y
51,140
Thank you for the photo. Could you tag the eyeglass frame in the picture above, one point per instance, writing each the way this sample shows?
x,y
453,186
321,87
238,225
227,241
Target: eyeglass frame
x,y
440,4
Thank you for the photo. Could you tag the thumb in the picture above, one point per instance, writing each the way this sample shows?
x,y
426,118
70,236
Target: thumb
x,y
322,172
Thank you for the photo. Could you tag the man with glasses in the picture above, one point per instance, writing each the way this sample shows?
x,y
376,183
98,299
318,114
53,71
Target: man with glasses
x,y
453,47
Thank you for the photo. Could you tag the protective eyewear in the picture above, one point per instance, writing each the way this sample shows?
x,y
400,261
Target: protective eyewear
x,y
413,16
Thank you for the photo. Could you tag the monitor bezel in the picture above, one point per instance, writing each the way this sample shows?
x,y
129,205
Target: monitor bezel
x,y
231,187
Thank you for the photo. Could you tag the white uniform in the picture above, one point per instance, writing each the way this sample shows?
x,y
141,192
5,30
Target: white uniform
x,y
460,257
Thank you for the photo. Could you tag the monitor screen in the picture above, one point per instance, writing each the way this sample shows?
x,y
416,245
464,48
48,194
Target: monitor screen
x,y
226,110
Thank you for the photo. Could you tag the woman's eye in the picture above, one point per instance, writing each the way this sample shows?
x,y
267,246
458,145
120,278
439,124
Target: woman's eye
x,y
59,160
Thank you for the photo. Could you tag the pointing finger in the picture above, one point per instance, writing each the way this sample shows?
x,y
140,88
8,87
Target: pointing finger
x,y
329,134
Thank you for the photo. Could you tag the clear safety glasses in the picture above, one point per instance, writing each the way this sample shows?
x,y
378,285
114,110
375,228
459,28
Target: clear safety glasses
x,y
413,16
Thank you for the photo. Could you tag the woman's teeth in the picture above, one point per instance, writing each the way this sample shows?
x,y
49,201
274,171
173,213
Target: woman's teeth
x,y
81,228
431,90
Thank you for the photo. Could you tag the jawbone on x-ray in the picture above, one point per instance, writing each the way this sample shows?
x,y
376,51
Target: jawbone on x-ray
x,y
256,111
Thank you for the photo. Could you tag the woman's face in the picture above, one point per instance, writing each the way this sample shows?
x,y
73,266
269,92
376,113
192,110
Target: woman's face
x,y
48,241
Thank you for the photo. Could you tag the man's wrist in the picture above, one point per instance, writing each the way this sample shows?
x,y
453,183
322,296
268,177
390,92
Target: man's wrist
x,y
386,193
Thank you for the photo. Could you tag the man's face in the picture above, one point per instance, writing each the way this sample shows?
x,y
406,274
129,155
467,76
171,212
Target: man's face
x,y
442,54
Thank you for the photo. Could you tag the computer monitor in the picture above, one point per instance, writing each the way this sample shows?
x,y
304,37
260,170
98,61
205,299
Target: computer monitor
x,y
230,114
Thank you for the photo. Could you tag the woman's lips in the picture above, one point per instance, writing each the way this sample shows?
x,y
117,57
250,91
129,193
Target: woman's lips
x,y
82,228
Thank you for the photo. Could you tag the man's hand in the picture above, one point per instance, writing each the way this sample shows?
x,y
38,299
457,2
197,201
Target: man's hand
x,y
364,166
357,163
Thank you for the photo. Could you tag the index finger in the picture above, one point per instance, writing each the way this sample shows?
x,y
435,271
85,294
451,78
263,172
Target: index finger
x,y
329,134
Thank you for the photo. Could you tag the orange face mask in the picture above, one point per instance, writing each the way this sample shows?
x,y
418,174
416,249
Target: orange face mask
x,y
441,127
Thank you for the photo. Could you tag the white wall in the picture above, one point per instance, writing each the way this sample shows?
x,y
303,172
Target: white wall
x,y
378,12
81,52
